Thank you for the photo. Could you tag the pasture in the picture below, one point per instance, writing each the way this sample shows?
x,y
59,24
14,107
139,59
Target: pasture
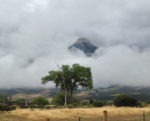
x,y
86,114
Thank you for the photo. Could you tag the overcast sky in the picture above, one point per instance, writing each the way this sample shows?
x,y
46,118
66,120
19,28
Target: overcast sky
x,y
35,36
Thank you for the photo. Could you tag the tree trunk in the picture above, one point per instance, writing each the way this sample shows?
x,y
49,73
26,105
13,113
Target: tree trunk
x,y
65,96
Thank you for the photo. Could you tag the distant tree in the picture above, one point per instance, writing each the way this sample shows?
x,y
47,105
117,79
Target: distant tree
x,y
5,103
91,101
3,99
125,100
69,78
21,102
99,103
40,102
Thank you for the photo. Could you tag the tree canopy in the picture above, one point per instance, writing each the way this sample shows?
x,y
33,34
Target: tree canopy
x,y
68,78
40,102
125,100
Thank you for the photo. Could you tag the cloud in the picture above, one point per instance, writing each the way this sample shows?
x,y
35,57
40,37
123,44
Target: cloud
x,y
35,36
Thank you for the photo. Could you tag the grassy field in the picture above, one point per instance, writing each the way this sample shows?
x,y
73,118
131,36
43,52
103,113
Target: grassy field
x,y
86,114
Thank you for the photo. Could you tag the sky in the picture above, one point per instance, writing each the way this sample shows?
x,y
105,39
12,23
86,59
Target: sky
x,y
35,36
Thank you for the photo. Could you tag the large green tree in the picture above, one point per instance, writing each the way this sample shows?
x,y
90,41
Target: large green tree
x,y
69,78
125,100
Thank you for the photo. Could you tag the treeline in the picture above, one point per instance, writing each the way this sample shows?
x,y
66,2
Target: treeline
x,y
7,104
120,100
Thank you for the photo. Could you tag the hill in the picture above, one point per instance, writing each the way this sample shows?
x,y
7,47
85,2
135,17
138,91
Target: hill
x,y
108,93
84,45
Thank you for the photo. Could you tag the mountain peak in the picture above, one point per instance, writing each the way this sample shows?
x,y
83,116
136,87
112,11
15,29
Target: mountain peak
x,y
83,40
84,45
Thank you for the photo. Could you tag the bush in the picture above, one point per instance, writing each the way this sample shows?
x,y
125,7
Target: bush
x,y
58,99
84,102
99,103
21,102
125,100
39,102
4,107
71,106
3,99
91,101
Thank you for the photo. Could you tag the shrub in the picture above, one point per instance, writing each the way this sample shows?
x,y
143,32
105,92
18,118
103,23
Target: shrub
x,y
21,102
84,102
39,102
58,99
71,106
99,103
4,107
91,101
3,99
125,100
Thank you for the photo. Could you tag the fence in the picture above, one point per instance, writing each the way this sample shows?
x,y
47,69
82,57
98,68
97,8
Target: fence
x,y
107,117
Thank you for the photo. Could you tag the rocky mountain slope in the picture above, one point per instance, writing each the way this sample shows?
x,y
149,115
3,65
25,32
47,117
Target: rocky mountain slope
x,y
84,45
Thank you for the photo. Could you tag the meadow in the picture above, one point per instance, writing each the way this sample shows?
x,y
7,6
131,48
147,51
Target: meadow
x,y
86,114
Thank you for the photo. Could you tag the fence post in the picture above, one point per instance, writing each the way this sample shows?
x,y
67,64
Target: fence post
x,y
105,115
79,119
47,119
143,115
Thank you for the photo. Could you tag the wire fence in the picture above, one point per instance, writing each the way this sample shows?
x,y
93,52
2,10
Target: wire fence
x,y
106,117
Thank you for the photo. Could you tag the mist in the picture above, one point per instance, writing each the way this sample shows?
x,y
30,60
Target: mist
x,y
35,36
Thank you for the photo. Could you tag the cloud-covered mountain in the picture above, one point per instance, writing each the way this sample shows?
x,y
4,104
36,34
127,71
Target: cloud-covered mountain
x,y
84,45
35,36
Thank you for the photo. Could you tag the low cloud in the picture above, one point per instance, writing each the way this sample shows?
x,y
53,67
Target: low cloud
x,y
35,36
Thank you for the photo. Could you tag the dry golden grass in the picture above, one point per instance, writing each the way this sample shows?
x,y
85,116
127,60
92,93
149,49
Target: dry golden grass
x,y
86,114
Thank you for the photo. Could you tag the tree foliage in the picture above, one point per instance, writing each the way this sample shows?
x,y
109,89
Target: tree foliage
x,y
99,103
125,100
21,102
58,99
40,102
5,103
69,78
3,99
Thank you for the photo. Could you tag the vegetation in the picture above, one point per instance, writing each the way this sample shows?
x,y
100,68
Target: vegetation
x,y
86,114
40,102
99,103
58,99
5,104
21,102
5,107
125,100
69,78
3,99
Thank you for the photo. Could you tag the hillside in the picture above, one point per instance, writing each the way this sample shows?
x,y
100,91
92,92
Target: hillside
x,y
109,93
84,45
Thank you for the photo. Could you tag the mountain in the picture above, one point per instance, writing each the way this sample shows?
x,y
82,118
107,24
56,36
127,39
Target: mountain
x,y
84,45
29,92
108,93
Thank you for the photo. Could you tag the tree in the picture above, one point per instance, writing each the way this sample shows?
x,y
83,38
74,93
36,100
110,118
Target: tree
x,y
3,99
6,103
58,99
21,102
40,102
69,78
125,100
99,103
